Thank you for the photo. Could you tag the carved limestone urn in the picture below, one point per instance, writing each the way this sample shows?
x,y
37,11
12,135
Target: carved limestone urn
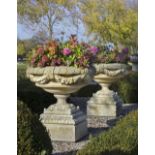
x,y
64,121
106,102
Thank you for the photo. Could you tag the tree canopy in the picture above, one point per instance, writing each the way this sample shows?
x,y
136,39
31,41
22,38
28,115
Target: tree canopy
x,y
111,20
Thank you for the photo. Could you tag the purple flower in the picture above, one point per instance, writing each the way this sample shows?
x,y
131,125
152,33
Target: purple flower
x,y
125,50
56,62
66,51
121,57
94,50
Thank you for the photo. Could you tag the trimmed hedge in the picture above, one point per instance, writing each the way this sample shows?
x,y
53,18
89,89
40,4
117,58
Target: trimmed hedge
x,y
119,140
32,137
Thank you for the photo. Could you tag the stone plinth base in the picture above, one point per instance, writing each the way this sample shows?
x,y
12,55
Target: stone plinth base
x,y
102,110
106,104
64,122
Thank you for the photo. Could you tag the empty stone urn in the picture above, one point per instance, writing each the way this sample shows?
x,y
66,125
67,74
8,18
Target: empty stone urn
x,y
106,102
64,121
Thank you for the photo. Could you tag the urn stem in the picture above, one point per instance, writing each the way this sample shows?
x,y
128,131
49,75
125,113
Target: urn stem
x,y
61,99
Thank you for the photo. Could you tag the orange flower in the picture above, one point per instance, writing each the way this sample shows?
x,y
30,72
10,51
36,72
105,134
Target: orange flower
x,y
52,50
52,47
53,43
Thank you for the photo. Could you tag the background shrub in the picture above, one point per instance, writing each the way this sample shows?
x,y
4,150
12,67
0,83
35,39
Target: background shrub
x,y
119,140
32,137
127,88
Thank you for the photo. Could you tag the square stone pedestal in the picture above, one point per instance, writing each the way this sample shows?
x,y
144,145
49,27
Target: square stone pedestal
x,y
107,110
106,105
63,125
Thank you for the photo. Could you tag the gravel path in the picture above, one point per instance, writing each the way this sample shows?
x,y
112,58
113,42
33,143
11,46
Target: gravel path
x,y
96,125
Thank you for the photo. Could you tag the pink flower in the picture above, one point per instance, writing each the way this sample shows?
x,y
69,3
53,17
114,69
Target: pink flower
x,y
45,59
40,51
66,51
94,50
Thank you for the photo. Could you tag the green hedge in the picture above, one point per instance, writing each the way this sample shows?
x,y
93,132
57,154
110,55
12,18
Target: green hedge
x,y
127,88
32,137
119,140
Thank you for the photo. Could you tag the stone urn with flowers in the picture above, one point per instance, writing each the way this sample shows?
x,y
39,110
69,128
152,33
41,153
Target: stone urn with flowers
x,y
110,65
62,69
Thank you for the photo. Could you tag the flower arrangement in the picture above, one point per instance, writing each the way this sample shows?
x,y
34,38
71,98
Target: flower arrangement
x,y
111,54
71,53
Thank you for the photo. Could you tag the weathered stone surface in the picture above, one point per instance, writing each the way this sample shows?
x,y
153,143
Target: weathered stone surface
x,y
106,102
63,74
64,122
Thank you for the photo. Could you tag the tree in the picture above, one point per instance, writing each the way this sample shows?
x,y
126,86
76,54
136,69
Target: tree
x,y
111,20
43,14
20,49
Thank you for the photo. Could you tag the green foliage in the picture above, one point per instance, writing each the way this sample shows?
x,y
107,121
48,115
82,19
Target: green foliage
x,y
119,140
127,88
20,49
111,21
21,71
32,136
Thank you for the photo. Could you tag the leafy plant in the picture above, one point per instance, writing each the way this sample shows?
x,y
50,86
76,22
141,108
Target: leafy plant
x,y
127,88
32,137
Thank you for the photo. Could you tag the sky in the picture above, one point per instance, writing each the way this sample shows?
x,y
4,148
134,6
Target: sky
x,y
24,32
